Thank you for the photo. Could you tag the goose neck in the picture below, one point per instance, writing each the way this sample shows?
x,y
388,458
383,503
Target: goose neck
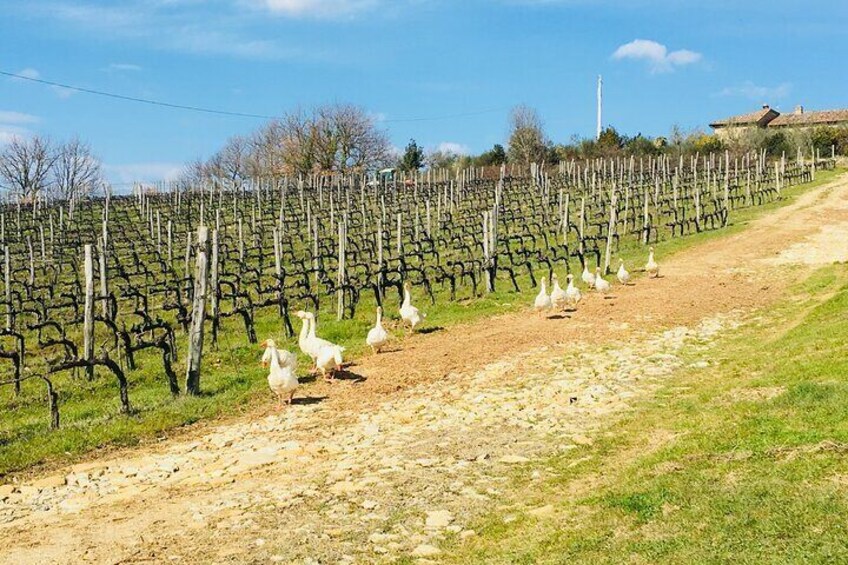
x,y
304,329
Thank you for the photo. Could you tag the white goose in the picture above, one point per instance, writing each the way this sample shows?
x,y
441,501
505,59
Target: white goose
x,y
651,266
303,336
285,358
377,336
543,302
282,379
329,360
326,356
622,274
410,315
587,277
601,285
558,296
572,293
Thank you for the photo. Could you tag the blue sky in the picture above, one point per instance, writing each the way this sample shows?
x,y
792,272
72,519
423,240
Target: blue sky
x,y
409,62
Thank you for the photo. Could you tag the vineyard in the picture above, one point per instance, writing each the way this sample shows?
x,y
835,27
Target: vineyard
x,y
101,293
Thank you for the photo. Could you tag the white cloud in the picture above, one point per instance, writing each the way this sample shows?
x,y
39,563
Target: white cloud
x,y
14,125
8,133
170,25
757,92
453,147
143,172
17,118
316,8
121,67
62,92
27,73
656,55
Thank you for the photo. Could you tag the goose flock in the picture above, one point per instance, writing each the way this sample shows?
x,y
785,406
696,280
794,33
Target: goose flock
x,y
327,357
558,299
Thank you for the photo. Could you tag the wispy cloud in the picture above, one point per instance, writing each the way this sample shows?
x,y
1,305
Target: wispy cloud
x,y
453,147
757,92
27,73
128,173
17,118
657,55
186,26
30,73
378,117
121,67
62,92
316,8
15,125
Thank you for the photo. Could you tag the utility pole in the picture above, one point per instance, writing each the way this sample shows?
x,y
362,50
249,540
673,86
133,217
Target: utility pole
x,y
600,104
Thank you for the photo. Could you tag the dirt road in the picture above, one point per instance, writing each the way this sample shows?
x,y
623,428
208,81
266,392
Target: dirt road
x,y
387,467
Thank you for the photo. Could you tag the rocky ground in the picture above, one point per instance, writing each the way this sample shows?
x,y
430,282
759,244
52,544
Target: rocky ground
x,y
374,470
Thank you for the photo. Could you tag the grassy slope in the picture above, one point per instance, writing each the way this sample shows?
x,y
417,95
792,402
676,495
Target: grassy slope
x,y
743,477
232,380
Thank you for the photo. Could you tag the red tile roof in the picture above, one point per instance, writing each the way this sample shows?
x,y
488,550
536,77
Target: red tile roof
x,y
810,118
760,117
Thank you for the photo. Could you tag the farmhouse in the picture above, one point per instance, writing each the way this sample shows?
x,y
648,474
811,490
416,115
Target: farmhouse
x,y
769,118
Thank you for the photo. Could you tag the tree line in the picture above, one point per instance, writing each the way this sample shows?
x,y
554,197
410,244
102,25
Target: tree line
x,y
343,138
528,143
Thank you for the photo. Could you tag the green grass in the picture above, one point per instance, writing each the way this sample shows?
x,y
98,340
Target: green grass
x,y
740,479
232,380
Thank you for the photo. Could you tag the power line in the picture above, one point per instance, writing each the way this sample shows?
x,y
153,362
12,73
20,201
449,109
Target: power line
x,y
204,110
139,100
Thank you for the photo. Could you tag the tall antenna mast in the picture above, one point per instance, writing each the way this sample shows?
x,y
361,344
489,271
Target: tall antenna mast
x,y
600,104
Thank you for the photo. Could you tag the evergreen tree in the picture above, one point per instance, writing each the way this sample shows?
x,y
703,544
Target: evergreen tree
x,y
413,157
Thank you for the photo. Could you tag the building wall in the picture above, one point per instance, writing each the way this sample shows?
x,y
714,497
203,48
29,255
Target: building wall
x,y
733,133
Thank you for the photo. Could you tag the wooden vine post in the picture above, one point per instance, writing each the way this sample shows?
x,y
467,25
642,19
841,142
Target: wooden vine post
x,y
104,282
486,253
198,313
610,230
213,282
341,278
88,315
278,268
7,272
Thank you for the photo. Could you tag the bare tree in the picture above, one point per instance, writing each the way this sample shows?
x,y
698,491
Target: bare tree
x,y
76,172
25,166
527,140
358,143
231,163
442,159
297,138
194,174
267,150
337,138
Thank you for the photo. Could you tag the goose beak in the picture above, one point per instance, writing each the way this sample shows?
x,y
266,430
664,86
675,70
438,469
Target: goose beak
x,y
264,344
